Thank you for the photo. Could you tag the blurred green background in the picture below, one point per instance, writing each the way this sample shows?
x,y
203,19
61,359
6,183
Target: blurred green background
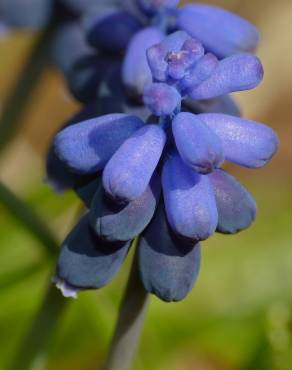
x,y
238,316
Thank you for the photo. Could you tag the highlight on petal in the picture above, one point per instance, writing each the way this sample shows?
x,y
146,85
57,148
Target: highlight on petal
x,y
197,144
189,201
221,32
245,142
114,222
87,146
161,99
168,266
236,207
85,262
130,169
67,290
136,73
110,28
236,73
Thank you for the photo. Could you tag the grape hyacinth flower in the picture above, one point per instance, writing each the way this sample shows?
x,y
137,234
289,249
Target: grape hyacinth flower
x,y
158,176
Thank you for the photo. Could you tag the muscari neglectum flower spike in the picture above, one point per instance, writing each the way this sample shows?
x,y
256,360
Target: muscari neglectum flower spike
x,y
119,161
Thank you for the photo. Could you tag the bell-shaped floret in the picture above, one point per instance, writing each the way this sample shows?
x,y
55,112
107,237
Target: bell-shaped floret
x,y
114,222
136,73
236,73
236,207
130,169
85,262
110,28
189,201
87,146
197,144
168,266
221,32
162,99
247,143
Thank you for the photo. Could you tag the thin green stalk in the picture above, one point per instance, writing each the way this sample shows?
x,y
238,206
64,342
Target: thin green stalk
x,y
29,219
129,325
26,83
33,352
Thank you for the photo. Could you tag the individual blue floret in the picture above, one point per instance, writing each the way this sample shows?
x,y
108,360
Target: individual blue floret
x,y
168,266
189,200
221,32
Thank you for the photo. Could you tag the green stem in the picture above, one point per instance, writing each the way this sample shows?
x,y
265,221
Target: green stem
x,y
29,219
129,325
33,352
18,99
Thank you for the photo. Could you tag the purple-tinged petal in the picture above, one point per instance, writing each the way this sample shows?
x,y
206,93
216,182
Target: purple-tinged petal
x,y
110,28
236,73
247,143
197,144
130,169
157,54
136,72
236,207
221,32
85,262
162,99
168,266
113,222
88,145
189,201
202,70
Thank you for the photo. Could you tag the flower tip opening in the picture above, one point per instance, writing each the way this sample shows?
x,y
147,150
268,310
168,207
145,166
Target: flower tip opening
x,y
67,290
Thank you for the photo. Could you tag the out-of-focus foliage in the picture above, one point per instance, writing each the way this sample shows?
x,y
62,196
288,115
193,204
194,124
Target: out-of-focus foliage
x,y
238,317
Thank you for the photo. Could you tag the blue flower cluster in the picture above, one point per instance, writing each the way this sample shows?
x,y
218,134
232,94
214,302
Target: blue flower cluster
x,y
145,154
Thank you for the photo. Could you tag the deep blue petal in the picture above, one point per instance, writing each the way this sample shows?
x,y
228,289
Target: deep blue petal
x,y
85,261
236,73
113,222
110,28
236,207
136,73
198,145
220,31
88,145
168,266
247,143
130,169
189,201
